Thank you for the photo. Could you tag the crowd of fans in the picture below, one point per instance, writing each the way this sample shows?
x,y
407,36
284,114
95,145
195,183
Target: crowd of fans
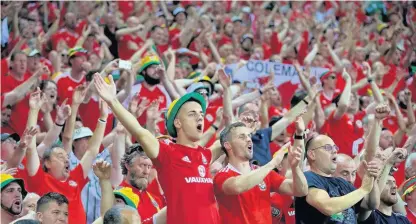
x,y
127,112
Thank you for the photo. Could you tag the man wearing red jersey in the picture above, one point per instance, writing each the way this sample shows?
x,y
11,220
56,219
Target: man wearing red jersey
x,y
329,88
409,196
129,39
54,174
183,167
136,167
68,35
67,82
242,190
342,119
150,89
17,73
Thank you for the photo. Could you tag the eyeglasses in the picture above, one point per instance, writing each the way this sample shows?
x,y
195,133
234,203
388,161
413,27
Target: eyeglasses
x,y
328,148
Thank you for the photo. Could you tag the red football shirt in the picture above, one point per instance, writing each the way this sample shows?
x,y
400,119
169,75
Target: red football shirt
x,y
70,38
66,86
252,206
8,82
90,112
350,140
158,93
42,183
124,52
148,205
185,178
283,211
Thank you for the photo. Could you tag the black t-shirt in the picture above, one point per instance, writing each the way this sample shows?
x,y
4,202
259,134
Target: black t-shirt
x,y
114,45
335,187
377,217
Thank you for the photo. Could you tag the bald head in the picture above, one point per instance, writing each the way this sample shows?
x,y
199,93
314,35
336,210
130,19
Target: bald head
x,y
346,168
132,21
321,152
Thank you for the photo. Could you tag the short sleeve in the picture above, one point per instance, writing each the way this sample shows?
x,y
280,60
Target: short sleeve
x,y
314,181
275,181
164,156
37,180
77,175
219,180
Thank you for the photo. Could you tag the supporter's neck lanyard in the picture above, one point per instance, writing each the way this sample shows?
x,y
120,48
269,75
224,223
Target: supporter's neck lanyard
x,y
154,202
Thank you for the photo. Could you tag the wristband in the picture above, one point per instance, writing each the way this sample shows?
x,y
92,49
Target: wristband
x,y
299,137
59,125
215,127
261,92
306,102
102,121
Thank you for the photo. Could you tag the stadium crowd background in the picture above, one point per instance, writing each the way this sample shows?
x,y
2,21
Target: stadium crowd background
x,y
111,112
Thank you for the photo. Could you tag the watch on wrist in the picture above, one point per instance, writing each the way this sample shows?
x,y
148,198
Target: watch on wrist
x,y
299,137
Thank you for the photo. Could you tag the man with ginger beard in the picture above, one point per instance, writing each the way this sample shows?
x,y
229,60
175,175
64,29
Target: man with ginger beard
x,y
12,194
384,213
346,168
136,168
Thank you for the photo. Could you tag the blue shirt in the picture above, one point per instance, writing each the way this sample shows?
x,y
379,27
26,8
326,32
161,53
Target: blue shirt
x,y
91,194
336,187
377,217
261,143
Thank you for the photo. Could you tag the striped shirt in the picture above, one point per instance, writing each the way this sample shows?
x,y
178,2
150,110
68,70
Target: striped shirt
x,y
91,194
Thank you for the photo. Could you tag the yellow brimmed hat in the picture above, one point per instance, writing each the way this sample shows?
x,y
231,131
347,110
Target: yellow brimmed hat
x,y
147,61
77,51
6,179
129,197
176,105
408,187
206,79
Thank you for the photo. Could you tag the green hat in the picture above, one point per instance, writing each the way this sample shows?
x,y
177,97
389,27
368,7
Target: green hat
x,y
176,105
6,179
147,61
129,197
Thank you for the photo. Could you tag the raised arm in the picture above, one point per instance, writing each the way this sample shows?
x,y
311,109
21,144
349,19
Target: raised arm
x,y
116,154
35,102
127,30
108,92
297,185
225,82
63,112
102,170
372,140
288,118
21,90
242,183
77,98
213,128
344,100
95,141
20,151
399,115
320,199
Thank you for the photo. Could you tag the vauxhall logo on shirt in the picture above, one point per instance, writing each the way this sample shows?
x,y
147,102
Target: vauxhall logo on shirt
x,y
201,179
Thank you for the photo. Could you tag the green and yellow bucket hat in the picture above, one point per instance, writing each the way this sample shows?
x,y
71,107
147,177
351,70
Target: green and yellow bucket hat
x,y
147,61
176,105
6,179
129,197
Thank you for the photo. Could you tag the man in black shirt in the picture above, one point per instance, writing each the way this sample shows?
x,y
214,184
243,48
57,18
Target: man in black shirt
x,y
110,32
332,199
384,214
